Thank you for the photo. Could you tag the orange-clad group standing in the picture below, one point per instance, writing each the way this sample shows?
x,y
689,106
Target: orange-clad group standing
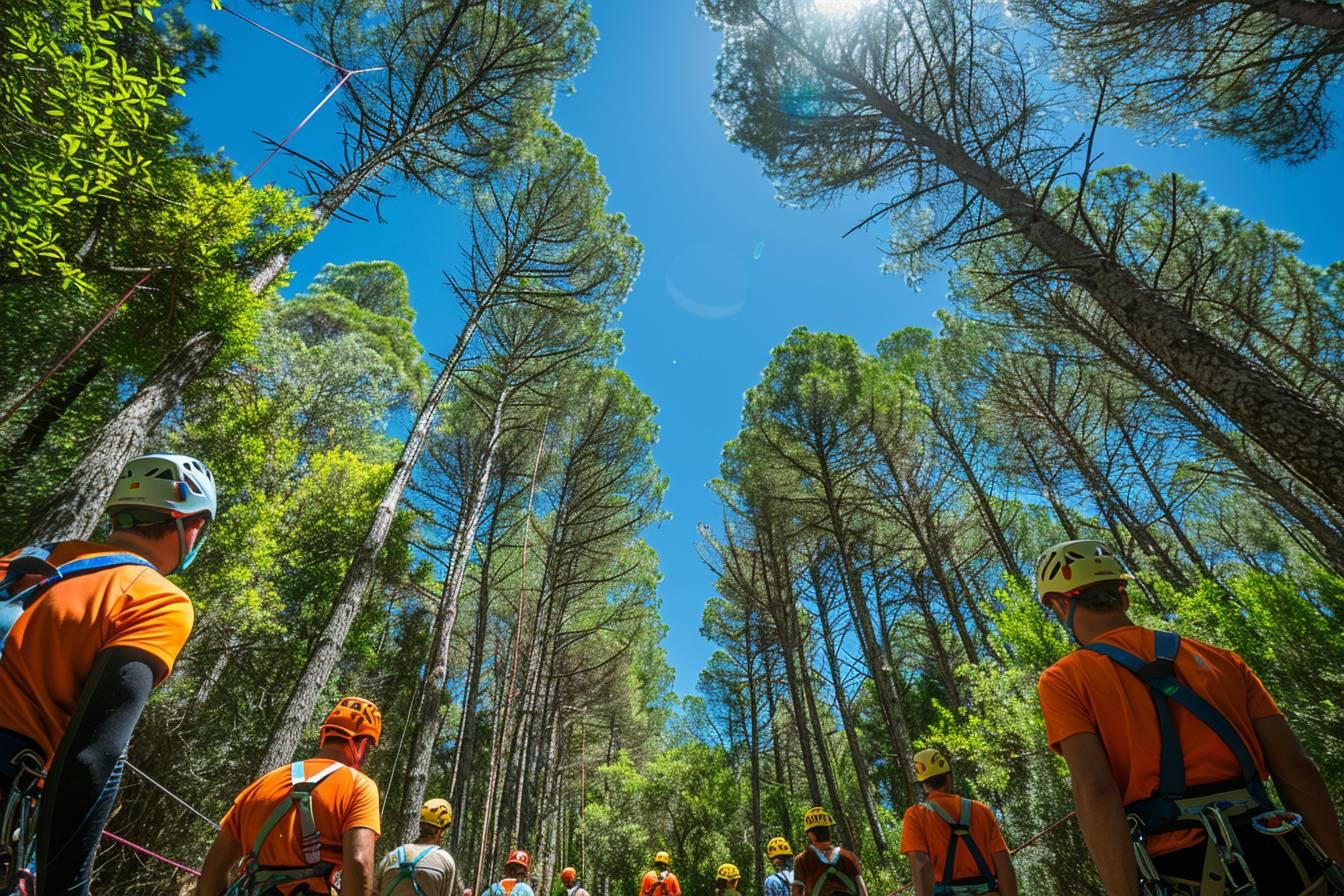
x,y
1169,742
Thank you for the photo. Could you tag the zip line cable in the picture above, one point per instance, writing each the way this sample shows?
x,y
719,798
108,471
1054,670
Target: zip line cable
x,y
188,806
346,75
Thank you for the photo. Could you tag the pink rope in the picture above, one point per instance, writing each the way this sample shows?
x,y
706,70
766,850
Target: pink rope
x,y
281,37
153,855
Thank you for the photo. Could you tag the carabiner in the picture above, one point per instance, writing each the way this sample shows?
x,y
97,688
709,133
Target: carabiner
x,y
1285,822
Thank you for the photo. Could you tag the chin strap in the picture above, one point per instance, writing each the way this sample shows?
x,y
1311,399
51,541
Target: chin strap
x,y
1068,621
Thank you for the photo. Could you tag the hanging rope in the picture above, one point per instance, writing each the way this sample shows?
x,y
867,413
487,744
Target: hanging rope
x,y
1030,841
150,853
186,805
346,75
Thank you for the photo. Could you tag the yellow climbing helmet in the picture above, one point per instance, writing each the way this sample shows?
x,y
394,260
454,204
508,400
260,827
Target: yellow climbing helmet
x,y
777,847
728,871
930,764
662,858
817,817
1071,566
437,813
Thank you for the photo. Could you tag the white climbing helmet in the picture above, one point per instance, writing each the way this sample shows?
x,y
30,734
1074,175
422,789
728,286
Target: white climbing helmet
x,y
175,484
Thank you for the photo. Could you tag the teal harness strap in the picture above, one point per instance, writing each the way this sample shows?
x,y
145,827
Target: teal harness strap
x,y
35,560
830,871
961,831
300,800
406,870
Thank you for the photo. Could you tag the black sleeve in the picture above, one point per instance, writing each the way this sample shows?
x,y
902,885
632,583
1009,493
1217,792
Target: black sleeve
x,y
82,784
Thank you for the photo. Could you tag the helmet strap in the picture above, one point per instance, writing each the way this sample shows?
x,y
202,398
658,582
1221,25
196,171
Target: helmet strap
x,y
1068,620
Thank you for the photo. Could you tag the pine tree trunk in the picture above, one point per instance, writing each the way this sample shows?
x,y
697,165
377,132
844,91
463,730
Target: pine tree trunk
x,y
829,641
49,413
73,509
1303,437
359,576
426,723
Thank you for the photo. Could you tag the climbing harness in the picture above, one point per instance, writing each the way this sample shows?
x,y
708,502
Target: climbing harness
x,y
18,845
987,882
258,878
1219,809
832,871
784,877
35,561
406,870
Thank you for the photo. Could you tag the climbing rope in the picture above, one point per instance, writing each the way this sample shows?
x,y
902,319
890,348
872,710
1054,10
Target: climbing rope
x,y
150,853
1030,841
186,805
346,75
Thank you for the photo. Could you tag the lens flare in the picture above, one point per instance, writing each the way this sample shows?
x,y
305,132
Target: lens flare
x,y
839,8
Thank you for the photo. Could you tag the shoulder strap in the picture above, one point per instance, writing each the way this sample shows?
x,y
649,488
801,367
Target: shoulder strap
x,y
831,870
406,870
300,799
961,831
34,561
1163,685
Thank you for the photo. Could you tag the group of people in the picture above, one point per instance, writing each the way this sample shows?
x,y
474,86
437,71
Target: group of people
x,y
823,869
1169,744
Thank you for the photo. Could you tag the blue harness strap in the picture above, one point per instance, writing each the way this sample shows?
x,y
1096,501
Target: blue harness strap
x,y
961,830
35,560
1164,687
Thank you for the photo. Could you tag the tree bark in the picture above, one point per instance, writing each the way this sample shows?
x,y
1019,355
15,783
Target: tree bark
x,y
436,670
1303,437
360,574
74,508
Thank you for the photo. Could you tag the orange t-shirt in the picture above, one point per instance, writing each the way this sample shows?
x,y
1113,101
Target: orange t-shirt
x,y
344,800
52,647
924,831
1087,692
650,886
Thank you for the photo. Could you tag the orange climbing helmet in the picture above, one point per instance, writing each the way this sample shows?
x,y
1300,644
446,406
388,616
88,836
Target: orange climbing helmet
x,y
568,876
354,717
519,857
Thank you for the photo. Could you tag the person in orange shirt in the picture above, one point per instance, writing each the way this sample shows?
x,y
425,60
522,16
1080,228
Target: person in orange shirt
x,y
660,881
954,844
514,882
87,631
1169,742
295,827
824,868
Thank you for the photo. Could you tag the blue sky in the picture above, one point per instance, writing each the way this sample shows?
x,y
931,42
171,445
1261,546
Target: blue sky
x,y
727,271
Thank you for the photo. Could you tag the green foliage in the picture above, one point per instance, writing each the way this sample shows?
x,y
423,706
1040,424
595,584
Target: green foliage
x,y
83,122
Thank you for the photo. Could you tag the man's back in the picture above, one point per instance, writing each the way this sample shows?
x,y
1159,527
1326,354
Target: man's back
x,y
435,872
1086,692
923,830
344,800
660,883
779,882
827,871
51,649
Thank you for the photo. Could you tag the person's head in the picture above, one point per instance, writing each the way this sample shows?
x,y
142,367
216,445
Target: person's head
x,y
517,864
726,877
817,824
351,730
778,851
568,876
1082,577
160,507
932,770
661,860
435,816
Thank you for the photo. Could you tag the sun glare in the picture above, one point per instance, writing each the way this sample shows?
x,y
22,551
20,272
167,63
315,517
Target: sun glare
x,y
839,7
